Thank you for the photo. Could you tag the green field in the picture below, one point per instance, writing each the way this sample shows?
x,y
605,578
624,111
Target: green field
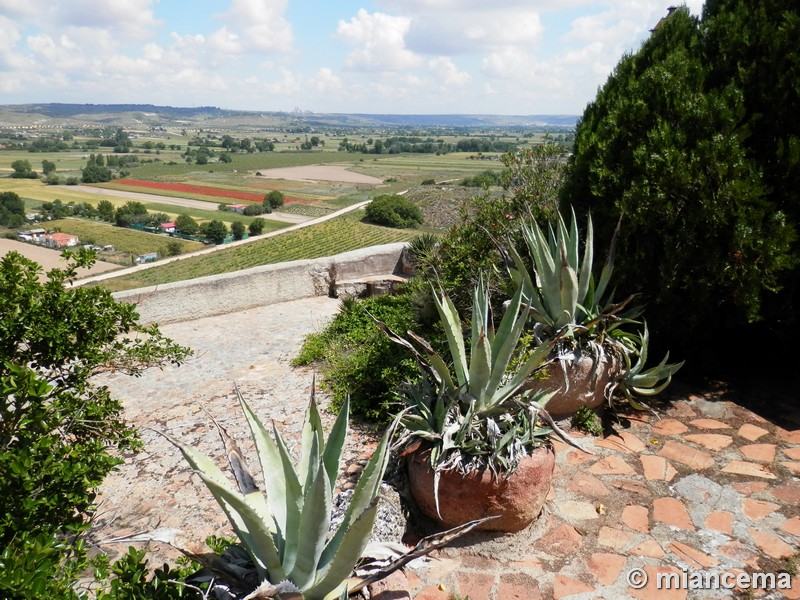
x,y
325,239
126,241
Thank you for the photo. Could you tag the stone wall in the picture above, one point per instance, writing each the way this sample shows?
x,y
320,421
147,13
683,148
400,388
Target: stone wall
x,y
260,286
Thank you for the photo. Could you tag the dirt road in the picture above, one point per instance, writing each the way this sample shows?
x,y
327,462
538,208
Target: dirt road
x,y
183,202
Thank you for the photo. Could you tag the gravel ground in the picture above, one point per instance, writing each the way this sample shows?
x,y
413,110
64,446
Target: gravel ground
x,y
155,490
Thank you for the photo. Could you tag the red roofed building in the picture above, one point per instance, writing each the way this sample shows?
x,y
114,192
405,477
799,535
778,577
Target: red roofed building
x,y
168,227
59,240
237,208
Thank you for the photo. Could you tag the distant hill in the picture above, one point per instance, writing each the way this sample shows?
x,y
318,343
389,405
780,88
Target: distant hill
x,y
58,114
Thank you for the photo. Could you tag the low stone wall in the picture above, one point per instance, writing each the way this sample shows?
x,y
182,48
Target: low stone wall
x,y
260,286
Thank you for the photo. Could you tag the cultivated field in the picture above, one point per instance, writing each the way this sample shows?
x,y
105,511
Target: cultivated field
x,y
325,239
49,258
127,242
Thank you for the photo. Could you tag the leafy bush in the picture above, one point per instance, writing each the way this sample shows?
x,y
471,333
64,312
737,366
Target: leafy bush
x,y
393,211
273,200
358,359
59,431
484,179
252,210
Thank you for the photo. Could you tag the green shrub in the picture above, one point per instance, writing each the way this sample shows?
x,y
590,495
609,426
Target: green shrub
x,y
393,211
273,200
484,179
358,359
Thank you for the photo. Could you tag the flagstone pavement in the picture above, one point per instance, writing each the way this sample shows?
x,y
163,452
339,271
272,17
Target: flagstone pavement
x,y
703,485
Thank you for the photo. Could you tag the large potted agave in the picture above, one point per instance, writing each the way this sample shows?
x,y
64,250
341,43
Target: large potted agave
x,y
596,356
477,446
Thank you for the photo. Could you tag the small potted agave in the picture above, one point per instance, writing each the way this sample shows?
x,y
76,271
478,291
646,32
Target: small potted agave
x,y
601,353
477,446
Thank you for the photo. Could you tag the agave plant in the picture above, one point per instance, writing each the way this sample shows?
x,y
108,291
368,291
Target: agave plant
x,y
475,416
284,541
562,289
645,382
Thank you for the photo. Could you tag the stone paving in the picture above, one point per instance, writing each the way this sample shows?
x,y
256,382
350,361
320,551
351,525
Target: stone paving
x,y
704,485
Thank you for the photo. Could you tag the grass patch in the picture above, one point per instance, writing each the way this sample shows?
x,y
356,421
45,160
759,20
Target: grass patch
x,y
124,240
325,239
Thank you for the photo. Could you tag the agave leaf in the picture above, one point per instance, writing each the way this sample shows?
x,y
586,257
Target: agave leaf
x,y
294,541
506,339
294,492
340,564
524,281
608,267
365,491
249,526
480,311
534,361
585,273
312,430
480,369
314,525
332,455
280,478
440,368
455,340
569,293
652,391
570,240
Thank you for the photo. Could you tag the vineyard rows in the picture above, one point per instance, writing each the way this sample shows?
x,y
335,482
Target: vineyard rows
x,y
325,239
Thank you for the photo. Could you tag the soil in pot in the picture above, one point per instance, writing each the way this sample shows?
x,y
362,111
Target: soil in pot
x,y
517,499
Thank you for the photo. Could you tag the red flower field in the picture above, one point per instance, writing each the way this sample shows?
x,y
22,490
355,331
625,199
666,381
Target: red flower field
x,y
205,190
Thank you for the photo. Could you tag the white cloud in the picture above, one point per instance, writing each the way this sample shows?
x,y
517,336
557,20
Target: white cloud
x,y
289,85
446,72
381,42
261,23
326,81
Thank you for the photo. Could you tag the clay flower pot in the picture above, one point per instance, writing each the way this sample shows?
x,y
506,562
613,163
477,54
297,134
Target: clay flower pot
x,y
517,499
579,380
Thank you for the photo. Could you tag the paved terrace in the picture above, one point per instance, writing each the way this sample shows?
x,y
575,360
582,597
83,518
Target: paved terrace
x,y
707,485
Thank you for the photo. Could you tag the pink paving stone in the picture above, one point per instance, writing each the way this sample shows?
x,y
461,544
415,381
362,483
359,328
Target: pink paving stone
x,y
480,563
712,441
657,468
432,592
793,593
614,538
611,465
576,457
669,427
758,509
792,437
578,511
720,520
686,455
793,466
606,567
788,493
650,591
694,557
393,587
524,566
738,467
769,544
709,424
681,409
672,511
564,586
749,488
518,586
792,526
588,485
751,432
560,540
478,586
759,452
742,553
624,441
649,548
633,486
636,517
792,453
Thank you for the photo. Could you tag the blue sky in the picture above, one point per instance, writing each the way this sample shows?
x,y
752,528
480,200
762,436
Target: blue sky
x,y
513,57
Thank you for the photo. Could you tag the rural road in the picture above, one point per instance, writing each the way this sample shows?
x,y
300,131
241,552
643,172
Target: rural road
x,y
141,267
184,202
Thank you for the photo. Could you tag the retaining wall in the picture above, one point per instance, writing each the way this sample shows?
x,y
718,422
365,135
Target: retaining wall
x,y
260,286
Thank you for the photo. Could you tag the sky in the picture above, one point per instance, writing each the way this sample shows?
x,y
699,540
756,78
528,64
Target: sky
x,y
505,57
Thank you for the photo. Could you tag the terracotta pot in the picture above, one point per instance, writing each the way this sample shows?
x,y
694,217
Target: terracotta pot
x,y
517,499
579,380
